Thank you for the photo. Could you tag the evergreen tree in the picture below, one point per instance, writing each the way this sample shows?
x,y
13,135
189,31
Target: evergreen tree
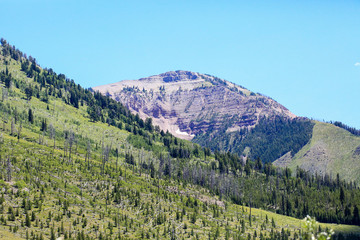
x,y
27,220
52,236
356,218
342,195
29,93
30,116
43,127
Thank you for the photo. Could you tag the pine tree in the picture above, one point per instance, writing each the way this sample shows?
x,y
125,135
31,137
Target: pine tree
x,y
30,116
28,92
273,223
43,125
52,237
27,220
356,218
33,217
342,195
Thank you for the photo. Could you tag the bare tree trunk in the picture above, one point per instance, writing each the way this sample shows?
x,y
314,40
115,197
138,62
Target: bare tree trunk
x,y
65,149
88,152
102,158
12,127
117,158
52,133
8,169
71,142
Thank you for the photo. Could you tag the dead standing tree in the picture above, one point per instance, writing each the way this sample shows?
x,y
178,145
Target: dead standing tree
x,y
88,153
19,132
65,149
141,160
8,169
105,150
4,94
105,156
70,140
161,167
117,152
52,133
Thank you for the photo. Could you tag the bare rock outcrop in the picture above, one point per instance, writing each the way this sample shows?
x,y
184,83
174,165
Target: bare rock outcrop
x,y
188,103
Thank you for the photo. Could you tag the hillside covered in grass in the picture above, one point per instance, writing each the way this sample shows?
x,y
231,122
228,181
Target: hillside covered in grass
x,y
332,150
77,165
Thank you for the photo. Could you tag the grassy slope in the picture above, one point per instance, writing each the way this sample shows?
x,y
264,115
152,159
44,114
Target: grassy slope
x,y
36,163
331,150
6,235
282,220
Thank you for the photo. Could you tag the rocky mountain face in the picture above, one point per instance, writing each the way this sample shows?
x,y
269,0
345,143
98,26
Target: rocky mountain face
x,y
188,104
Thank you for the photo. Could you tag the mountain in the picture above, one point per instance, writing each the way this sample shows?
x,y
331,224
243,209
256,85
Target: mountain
x,y
188,104
75,164
223,116
213,112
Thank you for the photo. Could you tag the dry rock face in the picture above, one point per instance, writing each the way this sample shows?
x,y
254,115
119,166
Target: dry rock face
x,y
187,103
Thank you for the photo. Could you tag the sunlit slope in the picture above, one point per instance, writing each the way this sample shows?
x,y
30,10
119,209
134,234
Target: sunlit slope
x,y
331,150
65,175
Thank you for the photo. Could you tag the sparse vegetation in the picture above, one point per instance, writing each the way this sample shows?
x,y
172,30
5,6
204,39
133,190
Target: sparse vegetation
x,y
73,171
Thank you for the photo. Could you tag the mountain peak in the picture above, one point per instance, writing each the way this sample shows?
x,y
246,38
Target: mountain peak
x,y
188,104
174,76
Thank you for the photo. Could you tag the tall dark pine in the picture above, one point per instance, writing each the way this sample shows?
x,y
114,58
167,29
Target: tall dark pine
x,y
356,218
342,195
31,116
28,92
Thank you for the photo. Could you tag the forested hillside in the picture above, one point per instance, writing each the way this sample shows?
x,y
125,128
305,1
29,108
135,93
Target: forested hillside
x,y
78,165
268,140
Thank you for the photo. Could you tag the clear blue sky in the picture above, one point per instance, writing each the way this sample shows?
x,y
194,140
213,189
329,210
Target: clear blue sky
x,y
304,54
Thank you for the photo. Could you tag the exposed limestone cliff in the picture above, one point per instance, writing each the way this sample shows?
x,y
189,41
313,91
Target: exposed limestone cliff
x,y
187,103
